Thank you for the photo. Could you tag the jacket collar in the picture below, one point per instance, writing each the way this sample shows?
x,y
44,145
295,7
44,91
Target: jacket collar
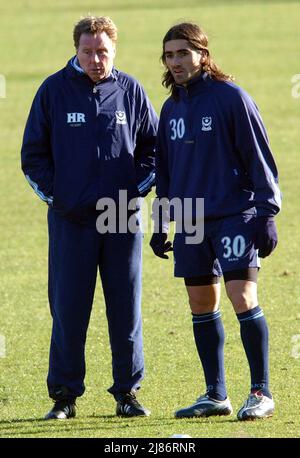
x,y
74,70
197,84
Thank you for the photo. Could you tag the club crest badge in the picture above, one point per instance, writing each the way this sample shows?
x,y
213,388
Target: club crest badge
x,y
121,117
206,123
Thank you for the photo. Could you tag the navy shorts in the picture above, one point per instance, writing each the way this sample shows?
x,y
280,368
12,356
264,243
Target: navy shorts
x,y
228,245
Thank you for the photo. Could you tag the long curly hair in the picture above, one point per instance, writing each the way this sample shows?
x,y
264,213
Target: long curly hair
x,y
198,39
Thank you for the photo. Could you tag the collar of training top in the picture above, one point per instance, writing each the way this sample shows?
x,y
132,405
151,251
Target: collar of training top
x,y
197,84
74,68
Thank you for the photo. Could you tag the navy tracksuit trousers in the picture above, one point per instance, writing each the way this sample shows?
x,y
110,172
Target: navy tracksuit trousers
x,y
76,252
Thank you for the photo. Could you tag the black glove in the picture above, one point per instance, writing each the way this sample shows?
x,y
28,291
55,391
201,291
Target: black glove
x,y
159,244
266,236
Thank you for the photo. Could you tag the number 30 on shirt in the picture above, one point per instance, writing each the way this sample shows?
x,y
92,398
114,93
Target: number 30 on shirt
x,y
177,128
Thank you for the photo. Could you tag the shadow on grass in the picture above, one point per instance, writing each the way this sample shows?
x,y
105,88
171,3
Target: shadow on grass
x,y
29,427
24,427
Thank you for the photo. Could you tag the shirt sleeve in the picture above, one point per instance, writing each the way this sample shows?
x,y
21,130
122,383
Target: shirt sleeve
x,y
145,145
160,210
162,164
36,157
252,145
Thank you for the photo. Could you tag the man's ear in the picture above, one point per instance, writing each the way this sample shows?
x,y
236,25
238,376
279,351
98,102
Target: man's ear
x,y
203,57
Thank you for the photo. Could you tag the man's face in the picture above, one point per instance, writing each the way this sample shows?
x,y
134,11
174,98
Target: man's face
x,y
182,60
96,53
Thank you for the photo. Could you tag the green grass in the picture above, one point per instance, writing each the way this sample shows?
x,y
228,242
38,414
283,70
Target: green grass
x,y
259,43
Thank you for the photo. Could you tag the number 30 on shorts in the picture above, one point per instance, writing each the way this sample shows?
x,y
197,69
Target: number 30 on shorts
x,y
236,246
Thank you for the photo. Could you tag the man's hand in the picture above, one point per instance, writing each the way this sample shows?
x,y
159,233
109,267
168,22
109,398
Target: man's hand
x,y
266,236
159,244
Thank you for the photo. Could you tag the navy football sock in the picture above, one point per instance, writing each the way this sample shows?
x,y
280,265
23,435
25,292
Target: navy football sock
x,y
209,338
254,334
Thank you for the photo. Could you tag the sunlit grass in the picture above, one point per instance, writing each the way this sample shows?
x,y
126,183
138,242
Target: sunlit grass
x,y
260,46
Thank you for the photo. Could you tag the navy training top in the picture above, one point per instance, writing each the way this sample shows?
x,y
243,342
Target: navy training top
x,y
212,144
84,141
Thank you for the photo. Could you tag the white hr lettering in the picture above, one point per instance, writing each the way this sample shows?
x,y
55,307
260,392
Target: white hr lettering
x,y
75,117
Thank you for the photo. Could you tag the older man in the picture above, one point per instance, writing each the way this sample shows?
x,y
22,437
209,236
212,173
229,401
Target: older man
x,y
90,135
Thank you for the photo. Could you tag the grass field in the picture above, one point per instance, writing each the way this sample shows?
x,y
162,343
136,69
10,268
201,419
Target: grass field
x,y
259,43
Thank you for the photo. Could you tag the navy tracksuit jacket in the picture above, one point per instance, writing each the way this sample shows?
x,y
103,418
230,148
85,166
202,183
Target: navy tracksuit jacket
x,y
212,144
82,142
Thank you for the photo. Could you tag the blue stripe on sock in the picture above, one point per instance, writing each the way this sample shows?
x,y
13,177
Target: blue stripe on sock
x,y
253,317
252,314
205,317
